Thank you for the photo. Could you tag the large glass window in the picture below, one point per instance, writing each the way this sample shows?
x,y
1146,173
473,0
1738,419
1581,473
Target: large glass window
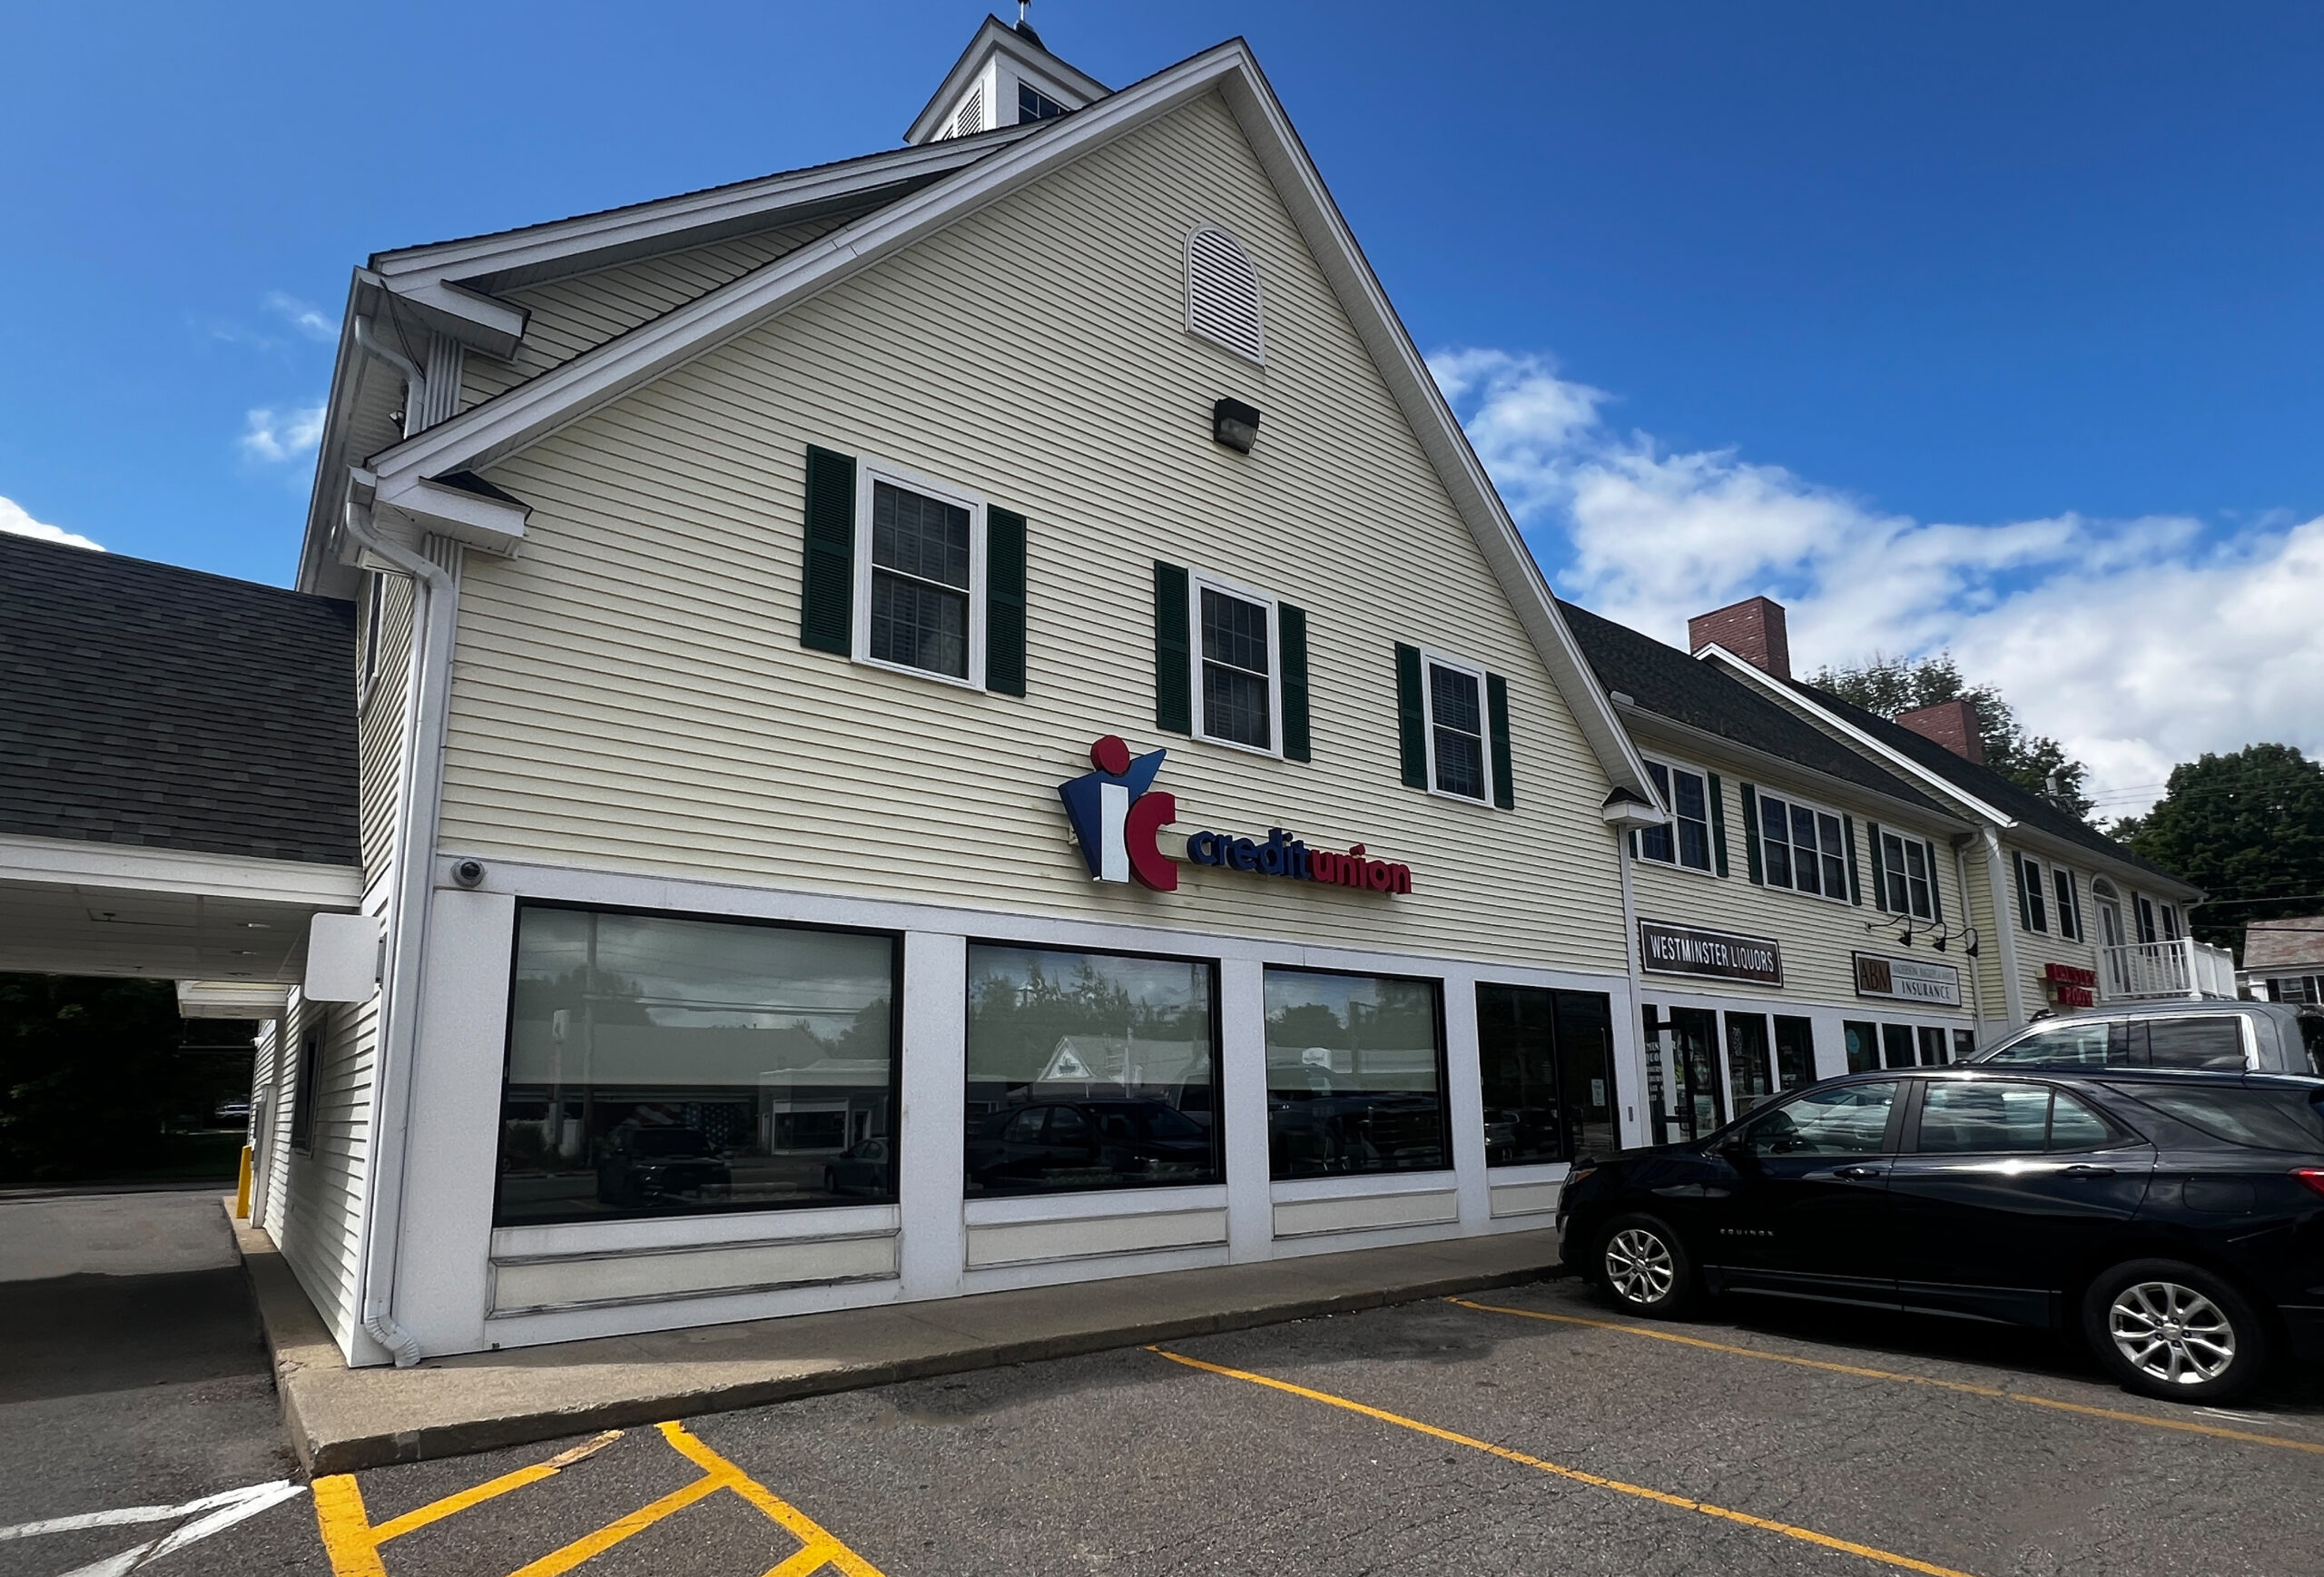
x,y
1548,1064
660,1066
1237,691
1090,1071
1795,1052
1750,1075
1355,1075
920,581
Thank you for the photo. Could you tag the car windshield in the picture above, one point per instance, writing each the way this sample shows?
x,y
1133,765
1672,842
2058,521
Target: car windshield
x,y
2267,1120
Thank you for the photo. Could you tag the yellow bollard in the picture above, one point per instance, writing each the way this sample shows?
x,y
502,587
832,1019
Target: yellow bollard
x,y
243,1188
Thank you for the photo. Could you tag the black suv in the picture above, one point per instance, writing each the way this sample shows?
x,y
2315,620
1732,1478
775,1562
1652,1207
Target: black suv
x,y
2175,1219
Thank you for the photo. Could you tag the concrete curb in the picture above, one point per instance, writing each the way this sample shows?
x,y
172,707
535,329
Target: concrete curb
x,y
342,1420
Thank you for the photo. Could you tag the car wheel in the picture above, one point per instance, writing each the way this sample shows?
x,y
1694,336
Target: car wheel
x,y
2175,1331
1646,1267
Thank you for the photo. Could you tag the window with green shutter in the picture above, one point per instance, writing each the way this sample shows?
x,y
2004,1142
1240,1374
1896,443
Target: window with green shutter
x,y
1004,579
827,596
1412,722
1291,641
1453,728
1174,709
1751,834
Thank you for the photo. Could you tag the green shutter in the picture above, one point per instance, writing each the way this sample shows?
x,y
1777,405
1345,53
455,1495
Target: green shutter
x,y
1174,696
1879,867
1718,825
1504,791
827,589
2025,910
1848,835
1751,833
1935,888
1412,723
1004,602
1291,637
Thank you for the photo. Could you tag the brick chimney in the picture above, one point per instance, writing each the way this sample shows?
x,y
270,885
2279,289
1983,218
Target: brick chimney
x,y
1753,629
1952,723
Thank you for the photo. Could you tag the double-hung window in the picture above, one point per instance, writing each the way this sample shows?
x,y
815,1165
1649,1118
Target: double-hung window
x,y
1237,694
1456,728
921,548
2169,923
2069,903
2033,906
1686,840
1802,848
1907,870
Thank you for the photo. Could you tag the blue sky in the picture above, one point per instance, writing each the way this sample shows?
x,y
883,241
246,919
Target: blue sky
x,y
1992,327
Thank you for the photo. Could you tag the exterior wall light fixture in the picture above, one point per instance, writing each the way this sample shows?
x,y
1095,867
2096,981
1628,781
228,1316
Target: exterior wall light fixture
x,y
1235,425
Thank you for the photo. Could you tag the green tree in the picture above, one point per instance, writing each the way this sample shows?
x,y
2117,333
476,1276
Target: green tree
x,y
1889,685
2246,827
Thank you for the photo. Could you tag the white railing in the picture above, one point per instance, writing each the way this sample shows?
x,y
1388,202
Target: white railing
x,y
2184,967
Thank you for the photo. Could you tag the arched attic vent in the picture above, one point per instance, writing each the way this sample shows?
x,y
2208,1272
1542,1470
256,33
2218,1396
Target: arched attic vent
x,y
1223,303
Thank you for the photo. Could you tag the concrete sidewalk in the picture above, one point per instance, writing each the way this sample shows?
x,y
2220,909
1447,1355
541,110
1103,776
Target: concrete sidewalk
x,y
341,1419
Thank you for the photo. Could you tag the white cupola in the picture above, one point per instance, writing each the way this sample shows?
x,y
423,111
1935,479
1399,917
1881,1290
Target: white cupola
x,y
1005,77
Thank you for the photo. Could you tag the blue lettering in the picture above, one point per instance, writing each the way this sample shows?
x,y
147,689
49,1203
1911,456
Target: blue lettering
x,y
1245,853
1202,848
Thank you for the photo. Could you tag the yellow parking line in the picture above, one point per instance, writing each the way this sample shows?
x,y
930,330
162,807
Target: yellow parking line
x,y
1660,1497
1964,1387
346,1528
818,1539
561,1561
434,1511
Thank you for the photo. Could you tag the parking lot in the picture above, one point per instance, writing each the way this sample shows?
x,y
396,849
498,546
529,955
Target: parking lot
x,y
1529,1430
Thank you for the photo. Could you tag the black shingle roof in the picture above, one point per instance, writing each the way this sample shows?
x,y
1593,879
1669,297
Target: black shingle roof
x,y
2020,805
144,703
1670,683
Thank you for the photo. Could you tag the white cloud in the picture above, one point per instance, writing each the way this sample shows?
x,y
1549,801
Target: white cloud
x,y
309,321
18,521
274,436
2136,643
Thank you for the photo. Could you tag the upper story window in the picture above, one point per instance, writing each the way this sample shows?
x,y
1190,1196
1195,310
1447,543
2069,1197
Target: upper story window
x,y
1686,840
1456,728
1237,671
1033,105
922,551
1906,876
2033,906
1223,303
2144,909
1802,848
2169,923
2069,903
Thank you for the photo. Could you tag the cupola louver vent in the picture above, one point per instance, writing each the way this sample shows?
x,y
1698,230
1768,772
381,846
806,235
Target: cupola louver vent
x,y
972,115
1222,293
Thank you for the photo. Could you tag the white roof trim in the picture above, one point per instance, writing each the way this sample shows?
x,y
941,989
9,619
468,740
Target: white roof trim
x,y
994,37
531,411
149,868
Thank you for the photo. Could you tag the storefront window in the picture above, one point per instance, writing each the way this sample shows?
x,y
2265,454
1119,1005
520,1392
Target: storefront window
x,y
1090,1071
1749,1073
1863,1045
1795,1052
659,1066
1355,1075
1896,1045
1548,1063
1682,1073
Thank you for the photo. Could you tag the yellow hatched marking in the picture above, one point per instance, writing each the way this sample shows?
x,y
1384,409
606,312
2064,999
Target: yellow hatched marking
x,y
1963,1388
346,1528
614,1532
1660,1497
396,1528
819,1540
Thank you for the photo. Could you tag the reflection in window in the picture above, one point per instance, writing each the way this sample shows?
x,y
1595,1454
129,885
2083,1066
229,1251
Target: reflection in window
x,y
1749,1073
1685,839
1355,1075
1548,1064
1088,1070
1236,694
1456,714
1851,1119
2076,1043
659,1066
1863,1043
920,581
1984,1117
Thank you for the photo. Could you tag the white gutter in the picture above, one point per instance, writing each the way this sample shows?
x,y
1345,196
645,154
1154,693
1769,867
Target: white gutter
x,y
1976,965
414,382
1637,981
2012,990
426,693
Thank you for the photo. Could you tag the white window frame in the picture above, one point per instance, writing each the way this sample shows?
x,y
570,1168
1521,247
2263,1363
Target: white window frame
x,y
866,472
1907,840
1484,722
1196,580
2173,929
2033,877
2070,927
1760,832
1711,823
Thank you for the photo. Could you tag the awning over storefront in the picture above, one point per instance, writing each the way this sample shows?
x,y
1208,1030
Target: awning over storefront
x,y
177,769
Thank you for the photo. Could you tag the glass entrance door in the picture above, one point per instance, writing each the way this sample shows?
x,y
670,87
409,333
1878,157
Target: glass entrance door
x,y
1749,1074
1683,1069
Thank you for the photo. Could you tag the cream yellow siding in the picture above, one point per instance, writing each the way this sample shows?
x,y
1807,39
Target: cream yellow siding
x,y
2038,949
312,1196
1819,936
630,691
571,315
379,726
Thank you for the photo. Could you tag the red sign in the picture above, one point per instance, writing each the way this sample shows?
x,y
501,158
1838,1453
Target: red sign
x,y
2073,996
2067,975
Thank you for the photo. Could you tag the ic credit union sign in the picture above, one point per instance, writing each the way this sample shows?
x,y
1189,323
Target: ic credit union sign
x,y
1682,949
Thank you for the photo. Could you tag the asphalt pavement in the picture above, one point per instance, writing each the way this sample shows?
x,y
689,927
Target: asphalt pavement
x,y
132,1371
1530,1431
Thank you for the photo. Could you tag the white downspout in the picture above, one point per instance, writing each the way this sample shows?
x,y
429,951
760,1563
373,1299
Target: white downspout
x,y
425,697
1961,881
2012,990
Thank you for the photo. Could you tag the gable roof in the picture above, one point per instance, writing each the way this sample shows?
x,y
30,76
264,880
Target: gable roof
x,y
1667,683
531,411
1981,786
2294,941
144,703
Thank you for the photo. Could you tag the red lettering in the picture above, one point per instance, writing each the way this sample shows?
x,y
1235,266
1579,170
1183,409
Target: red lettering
x,y
1400,878
1148,815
